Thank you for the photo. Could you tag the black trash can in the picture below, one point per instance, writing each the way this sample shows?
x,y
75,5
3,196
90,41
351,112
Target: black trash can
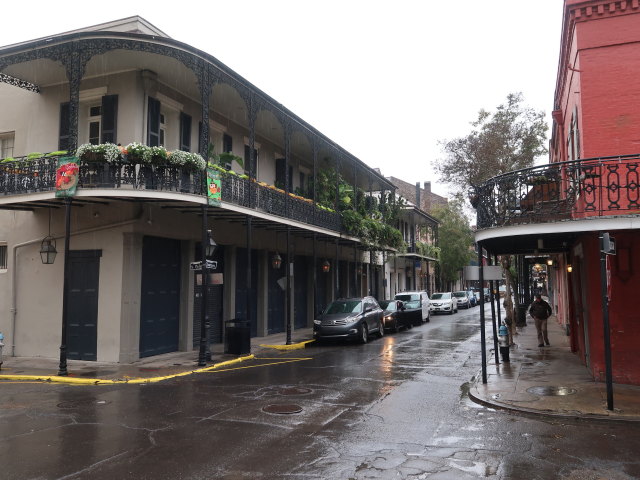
x,y
521,315
237,337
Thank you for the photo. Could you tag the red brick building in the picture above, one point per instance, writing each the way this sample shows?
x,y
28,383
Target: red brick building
x,y
596,115
557,211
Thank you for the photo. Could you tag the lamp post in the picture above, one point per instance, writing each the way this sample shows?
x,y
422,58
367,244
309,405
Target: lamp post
x,y
62,368
208,249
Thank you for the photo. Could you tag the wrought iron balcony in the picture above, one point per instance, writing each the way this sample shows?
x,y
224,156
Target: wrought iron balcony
x,y
561,191
24,176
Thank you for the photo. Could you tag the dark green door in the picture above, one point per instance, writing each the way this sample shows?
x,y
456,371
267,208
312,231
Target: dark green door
x,y
82,304
301,292
160,296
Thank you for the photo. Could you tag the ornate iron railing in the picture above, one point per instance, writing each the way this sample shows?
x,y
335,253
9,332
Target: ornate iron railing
x,y
24,175
560,191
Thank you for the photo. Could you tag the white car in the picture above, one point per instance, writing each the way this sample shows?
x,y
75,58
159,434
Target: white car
x,y
443,302
462,299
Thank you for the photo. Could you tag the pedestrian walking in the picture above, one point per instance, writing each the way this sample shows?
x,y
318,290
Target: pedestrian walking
x,y
541,311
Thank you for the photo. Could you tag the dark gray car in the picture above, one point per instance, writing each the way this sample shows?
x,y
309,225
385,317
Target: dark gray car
x,y
349,318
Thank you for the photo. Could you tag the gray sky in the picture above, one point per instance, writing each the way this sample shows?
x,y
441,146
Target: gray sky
x,y
384,79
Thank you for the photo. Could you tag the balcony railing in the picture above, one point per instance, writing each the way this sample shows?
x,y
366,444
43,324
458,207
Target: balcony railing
x,y
561,191
24,176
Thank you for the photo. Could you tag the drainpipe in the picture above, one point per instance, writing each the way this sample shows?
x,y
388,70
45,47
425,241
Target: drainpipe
x,y
13,310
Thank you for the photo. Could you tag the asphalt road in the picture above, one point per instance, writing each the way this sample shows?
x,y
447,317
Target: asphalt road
x,y
394,408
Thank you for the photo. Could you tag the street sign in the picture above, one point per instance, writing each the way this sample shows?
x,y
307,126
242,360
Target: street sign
x,y
211,265
608,244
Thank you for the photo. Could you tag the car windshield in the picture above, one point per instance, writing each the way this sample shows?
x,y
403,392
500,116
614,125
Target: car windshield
x,y
345,306
459,294
441,296
389,305
409,297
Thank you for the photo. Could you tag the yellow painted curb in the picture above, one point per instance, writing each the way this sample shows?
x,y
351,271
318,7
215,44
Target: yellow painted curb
x,y
295,346
98,381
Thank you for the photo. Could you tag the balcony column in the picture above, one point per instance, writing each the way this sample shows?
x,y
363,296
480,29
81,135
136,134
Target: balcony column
x,y
248,297
315,266
253,161
336,276
315,179
287,314
287,160
74,62
205,84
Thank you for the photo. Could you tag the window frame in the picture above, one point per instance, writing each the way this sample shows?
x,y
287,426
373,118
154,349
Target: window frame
x,y
6,137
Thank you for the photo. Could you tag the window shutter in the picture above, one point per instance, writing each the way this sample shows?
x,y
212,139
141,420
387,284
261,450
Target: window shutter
x,y
185,132
109,118
227,143
153,123
63,138
280,173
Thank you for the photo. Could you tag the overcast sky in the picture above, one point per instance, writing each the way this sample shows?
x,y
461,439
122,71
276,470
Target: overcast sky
x,y
386,80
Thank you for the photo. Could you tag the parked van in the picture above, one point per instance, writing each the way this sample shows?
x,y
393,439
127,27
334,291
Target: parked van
x,y
415,306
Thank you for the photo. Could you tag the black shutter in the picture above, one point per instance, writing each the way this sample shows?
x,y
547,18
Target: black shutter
x,y
280,173
109,118
63,138
153,123
247,160
185,132
227,143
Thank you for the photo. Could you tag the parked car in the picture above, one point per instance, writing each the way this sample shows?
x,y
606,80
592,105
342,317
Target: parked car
x,y
349,318
392,317
415,307
473,300
443,302
462,299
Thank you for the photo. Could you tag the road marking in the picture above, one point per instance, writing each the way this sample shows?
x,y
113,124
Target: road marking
x,y
261,365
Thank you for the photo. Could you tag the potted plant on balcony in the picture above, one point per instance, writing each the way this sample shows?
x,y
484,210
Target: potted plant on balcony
x,y
99,159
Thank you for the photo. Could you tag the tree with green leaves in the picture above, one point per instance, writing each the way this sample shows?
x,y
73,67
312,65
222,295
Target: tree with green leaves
x,y
511,138
455,239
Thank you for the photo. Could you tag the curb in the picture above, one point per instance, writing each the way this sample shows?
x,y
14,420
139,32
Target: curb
x,y
135,381
529,412
294,346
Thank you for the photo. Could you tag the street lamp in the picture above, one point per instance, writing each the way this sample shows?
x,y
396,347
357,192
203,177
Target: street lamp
x,y
48,250
326,266
276,261
211,246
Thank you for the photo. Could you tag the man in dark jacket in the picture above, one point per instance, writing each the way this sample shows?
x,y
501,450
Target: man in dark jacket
x,y
540,311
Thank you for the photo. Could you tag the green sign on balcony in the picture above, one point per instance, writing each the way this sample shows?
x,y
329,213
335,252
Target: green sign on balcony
x,y
214,188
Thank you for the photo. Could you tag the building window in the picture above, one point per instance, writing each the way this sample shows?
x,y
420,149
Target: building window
x,y
95,120
3,256
163,129
6,145
573,138
250,169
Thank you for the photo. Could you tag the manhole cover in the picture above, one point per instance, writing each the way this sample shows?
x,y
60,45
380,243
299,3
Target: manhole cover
x,y
282,409
551,391
295,391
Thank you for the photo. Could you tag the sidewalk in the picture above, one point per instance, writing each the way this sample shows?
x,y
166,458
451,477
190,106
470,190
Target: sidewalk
x,y
550,381
145,370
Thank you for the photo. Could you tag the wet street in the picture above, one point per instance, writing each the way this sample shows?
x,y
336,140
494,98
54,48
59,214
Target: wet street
x,y
394,408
